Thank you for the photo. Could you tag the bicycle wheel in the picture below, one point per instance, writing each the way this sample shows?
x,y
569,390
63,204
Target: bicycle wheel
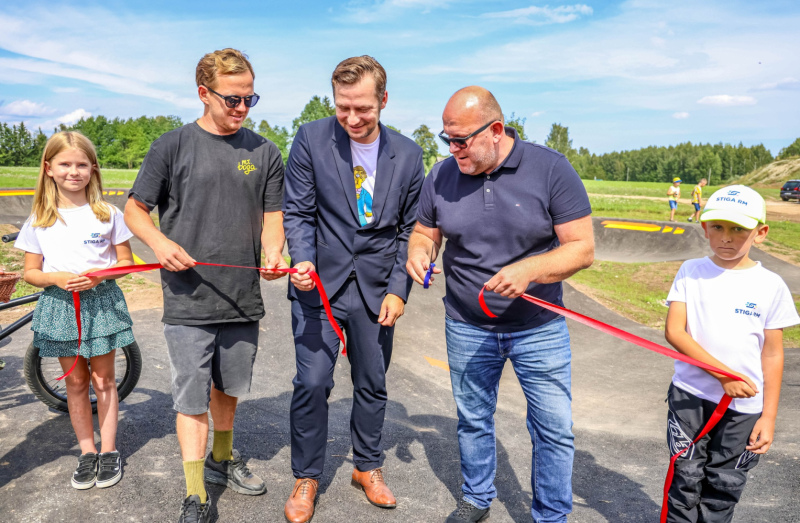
x,y
41,374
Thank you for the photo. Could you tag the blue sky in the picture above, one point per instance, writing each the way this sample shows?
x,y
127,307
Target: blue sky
x,y
621,75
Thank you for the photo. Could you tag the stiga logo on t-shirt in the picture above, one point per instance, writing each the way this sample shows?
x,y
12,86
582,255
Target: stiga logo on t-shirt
x,y
95,239
246,166
749,310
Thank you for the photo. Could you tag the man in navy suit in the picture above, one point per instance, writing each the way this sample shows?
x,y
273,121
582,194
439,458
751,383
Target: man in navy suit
x,y
351,191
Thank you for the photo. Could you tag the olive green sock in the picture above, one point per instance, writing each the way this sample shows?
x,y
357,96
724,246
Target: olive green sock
x,y
222,448
193,470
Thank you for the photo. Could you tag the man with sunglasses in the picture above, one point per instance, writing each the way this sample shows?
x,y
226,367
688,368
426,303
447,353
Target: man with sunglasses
x,y
219,189
517,220
357,245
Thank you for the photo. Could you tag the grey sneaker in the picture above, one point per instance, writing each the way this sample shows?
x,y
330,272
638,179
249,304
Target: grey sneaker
x,y
85,475
233,474
192,511
109,469
468,513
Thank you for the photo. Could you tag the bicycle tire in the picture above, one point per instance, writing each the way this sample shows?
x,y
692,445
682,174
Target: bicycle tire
x,y
54,394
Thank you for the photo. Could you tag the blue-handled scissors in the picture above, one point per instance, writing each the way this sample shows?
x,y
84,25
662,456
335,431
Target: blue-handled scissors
x,y
427,281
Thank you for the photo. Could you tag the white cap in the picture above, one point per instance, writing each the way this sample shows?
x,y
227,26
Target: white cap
x,y
738,204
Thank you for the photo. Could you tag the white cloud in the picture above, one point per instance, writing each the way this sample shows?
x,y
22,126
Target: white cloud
x,y
67,119
104,56
389,9
64,90
26,108
537,114
680,116
787,84
727,100
658,46
543,15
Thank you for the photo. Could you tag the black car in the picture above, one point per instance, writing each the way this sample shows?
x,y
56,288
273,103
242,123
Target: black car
x,y
790,190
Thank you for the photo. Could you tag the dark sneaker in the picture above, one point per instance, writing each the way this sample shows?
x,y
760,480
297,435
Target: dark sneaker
x,y
109,469
467,512
85,475
233,474
192,511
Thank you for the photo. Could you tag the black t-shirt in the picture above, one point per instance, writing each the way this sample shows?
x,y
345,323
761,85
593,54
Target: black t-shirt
x,y
212,192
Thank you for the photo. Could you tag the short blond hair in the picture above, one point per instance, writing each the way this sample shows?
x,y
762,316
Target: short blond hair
x,y
45,199
351,70
223,62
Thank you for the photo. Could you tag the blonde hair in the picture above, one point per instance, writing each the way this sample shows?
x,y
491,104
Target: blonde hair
x,y
223,62
351,70
45,199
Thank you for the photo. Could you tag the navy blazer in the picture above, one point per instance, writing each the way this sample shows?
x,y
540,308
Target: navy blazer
x,y
321,220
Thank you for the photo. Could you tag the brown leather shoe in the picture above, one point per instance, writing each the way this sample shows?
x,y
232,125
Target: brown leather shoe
x,y
300,505
374,487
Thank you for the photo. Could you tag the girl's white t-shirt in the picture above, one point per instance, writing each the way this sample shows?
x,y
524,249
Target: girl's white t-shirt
x,y
80,243
727,312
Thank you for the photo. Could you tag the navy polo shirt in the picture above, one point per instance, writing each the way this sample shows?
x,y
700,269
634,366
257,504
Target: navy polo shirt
x,y
493,220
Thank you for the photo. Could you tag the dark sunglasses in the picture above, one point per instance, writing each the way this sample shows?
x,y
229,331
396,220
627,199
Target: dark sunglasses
x,y
461,143
234,101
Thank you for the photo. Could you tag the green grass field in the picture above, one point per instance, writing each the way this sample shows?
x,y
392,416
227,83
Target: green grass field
x,y
25,177
659,189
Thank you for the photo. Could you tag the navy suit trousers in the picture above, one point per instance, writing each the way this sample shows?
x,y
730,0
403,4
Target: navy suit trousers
x,y
369,349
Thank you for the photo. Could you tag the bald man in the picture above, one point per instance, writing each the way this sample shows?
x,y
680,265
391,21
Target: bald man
x,y
517,219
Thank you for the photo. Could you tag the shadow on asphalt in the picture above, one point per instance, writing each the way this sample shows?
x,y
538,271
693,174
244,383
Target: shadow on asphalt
x,y
599,485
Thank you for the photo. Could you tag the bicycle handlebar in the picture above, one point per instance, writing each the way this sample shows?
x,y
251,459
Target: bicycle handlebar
x,y
10,237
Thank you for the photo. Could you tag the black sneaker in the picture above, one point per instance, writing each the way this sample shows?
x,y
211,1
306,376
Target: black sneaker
x,y
233,474
109,469
192,511
467,512
85,475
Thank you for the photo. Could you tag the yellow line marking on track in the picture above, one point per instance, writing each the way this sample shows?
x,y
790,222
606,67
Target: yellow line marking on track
x,y
667,229
678,230
438,363
137,260
24,192
31,192
631,226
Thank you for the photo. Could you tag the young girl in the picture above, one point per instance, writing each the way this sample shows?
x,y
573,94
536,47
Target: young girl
x,y
71,232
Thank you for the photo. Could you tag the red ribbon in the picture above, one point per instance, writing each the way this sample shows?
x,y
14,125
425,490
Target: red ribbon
x,y
128,269
722,406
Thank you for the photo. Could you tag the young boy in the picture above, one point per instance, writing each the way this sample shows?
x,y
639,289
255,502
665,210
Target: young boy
x,y
728,311
697,199
673,193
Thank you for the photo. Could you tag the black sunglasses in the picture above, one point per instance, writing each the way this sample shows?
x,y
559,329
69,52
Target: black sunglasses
x,y
234,101
462,142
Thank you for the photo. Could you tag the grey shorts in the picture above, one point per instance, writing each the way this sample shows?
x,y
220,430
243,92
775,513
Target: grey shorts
x,y
222,353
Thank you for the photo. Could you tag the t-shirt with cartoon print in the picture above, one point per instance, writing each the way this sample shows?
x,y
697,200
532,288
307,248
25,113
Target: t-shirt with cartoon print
x,y
79,243
365,163
727,312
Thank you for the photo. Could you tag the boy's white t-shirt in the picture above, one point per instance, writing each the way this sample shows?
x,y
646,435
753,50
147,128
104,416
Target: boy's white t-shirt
x,y
80,243
726,313
365,165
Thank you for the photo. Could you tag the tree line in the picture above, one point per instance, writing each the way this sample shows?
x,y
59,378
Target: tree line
x,y
689,162
124,143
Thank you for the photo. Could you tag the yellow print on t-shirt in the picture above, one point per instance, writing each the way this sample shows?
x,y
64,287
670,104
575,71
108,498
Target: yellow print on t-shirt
x,y
246,166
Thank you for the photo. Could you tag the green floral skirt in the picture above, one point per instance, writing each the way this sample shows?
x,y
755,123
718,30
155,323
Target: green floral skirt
x,y
105,322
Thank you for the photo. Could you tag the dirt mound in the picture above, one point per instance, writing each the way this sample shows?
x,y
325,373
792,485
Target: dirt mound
x,y
773,174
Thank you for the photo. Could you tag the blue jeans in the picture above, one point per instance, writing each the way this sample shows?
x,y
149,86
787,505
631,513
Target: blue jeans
x,y
541,360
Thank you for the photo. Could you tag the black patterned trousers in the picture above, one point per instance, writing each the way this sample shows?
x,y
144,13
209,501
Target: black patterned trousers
x,y
710,476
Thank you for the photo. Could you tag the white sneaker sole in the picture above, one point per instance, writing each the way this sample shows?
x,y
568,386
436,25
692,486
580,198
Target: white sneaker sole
x,y
82,486
110,482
